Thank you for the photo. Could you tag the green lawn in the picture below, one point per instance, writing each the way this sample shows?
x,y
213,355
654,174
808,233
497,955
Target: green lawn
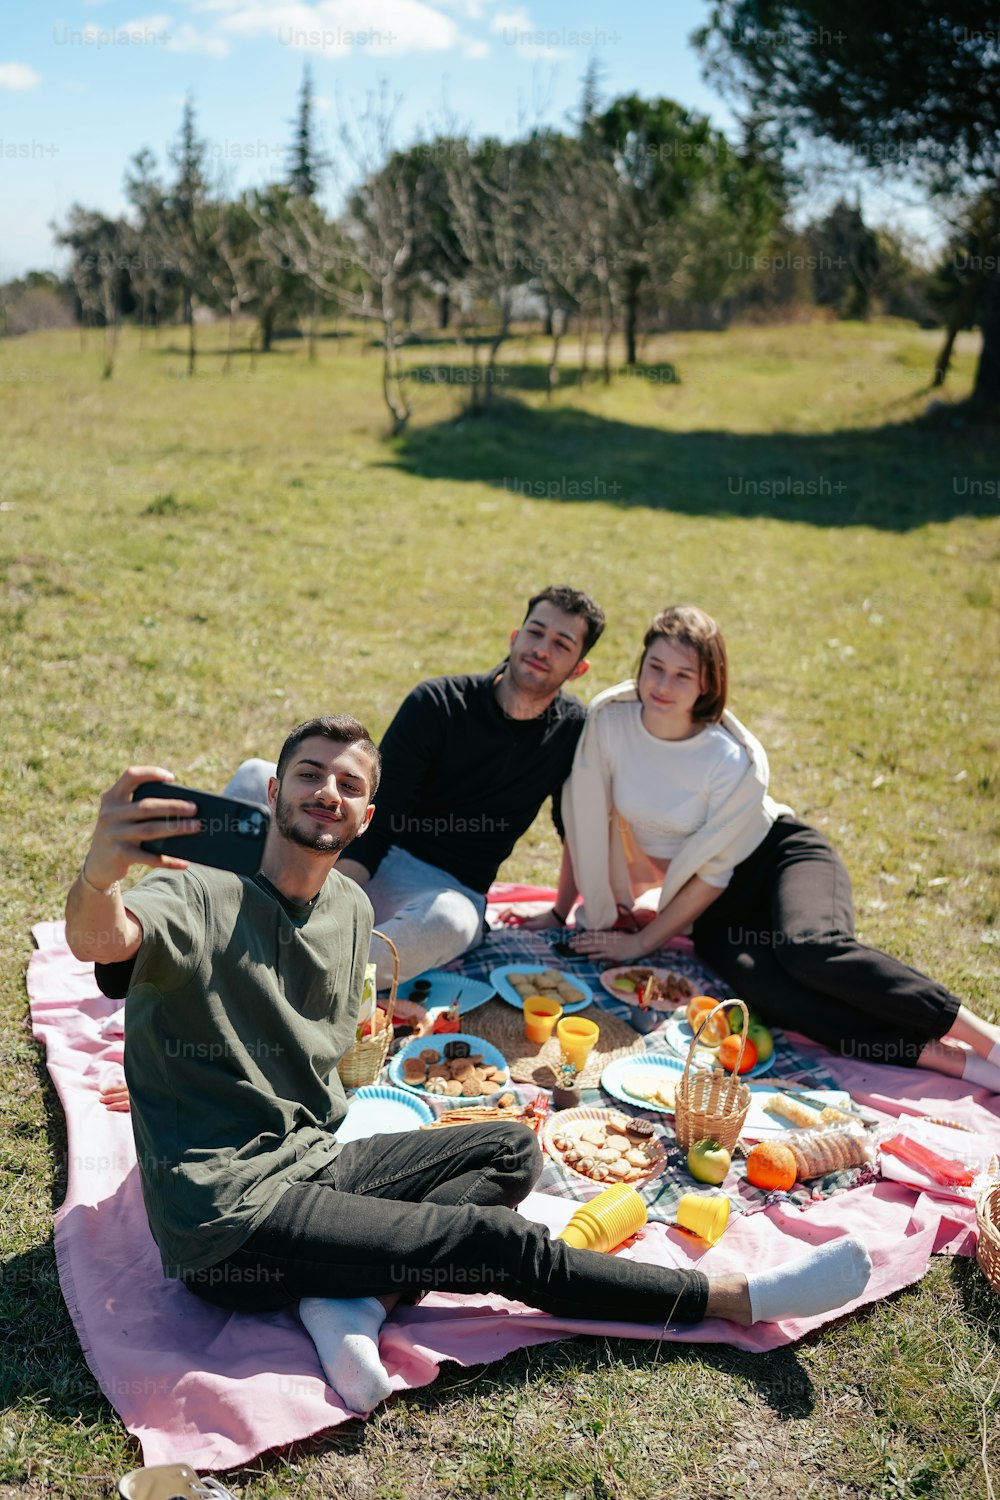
x,y
191,566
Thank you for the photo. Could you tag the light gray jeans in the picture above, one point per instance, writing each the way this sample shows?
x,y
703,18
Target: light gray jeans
x,y
429,915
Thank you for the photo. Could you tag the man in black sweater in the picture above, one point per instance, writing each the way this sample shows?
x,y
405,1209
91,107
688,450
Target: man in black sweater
x,y
467,763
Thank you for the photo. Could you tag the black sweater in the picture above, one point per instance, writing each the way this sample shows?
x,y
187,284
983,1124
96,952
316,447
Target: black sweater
x,y
461,782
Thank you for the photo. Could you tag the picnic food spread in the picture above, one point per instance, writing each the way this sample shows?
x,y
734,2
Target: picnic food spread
x,y
548,982
649,1087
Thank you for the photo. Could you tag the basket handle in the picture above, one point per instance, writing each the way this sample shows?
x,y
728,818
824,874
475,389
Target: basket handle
x,y
733,1084
395,974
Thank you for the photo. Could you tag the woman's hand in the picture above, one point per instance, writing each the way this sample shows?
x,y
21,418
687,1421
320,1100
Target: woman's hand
x,y
608,946
542,921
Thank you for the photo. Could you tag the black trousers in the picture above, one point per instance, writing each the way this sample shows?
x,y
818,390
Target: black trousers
x,y
782,937
431,1211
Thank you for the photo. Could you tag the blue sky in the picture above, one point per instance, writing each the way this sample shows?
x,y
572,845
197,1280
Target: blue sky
x,y
85,83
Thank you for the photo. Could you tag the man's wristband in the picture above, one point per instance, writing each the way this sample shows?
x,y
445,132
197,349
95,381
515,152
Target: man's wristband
x,y
112,888
562,920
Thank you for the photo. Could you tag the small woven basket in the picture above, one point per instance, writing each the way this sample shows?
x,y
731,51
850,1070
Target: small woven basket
x,y
712,1105
362,1063
988,1243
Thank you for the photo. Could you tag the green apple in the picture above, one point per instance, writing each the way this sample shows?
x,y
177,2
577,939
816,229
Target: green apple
x,y
761,1038
709,1162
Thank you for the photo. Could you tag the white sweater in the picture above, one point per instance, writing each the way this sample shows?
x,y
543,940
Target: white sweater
x,y
705,807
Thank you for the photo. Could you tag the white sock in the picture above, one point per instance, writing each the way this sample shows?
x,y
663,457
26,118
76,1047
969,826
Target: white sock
x,y
993,1055
982,1070
825,1278
345,1331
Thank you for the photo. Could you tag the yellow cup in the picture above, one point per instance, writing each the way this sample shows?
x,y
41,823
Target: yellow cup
x,y
704,1214
603,1223
576,1039
540,1015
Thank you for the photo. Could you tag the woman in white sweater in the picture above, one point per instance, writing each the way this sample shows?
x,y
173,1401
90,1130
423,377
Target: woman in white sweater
x,y
670,829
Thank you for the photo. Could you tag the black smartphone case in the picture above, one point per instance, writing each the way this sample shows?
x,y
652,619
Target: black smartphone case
x,y
232,838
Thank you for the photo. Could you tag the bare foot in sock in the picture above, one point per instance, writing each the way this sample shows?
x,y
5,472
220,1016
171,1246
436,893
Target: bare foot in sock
x,y
828,1277
345,1331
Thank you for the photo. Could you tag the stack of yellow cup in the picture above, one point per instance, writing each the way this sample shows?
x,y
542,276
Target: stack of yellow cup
x,y
613,1216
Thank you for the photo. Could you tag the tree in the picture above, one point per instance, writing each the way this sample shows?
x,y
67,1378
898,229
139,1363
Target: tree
x,y
845,257
915,83
99,273
490,187
184,223
673,174
306,161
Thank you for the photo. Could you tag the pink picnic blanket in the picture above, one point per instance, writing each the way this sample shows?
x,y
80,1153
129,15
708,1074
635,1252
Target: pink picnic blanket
x,y
192,1382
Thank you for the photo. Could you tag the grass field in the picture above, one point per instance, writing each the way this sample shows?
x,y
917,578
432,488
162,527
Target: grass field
x,y
191,566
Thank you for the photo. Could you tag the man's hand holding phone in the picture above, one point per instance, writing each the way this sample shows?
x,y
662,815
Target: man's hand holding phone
x,y
123,825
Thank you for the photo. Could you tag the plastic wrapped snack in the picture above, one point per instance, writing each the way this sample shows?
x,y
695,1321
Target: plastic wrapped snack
x,y
817,1152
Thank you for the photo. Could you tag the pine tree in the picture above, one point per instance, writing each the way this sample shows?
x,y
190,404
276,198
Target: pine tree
x,y
306,160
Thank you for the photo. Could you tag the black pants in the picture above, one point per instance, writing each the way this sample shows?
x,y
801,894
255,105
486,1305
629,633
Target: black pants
x,y
431,1211
782,936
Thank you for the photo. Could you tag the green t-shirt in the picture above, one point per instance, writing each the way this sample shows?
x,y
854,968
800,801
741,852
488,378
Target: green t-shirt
x,y
240,1006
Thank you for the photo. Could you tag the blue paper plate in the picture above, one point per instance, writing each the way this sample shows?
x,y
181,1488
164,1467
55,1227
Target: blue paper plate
x,y
506,991
652,1062
491,1055
377,1109
678,1036
445,987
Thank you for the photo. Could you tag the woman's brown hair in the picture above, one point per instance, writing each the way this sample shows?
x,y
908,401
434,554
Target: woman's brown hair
x,y
689,626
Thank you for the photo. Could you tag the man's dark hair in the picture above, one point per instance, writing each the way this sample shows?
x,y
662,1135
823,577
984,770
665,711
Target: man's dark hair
x,y
343,730
573,602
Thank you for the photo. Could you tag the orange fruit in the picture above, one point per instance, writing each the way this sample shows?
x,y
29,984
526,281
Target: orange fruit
x,y
698,1007
771,1166
729,1051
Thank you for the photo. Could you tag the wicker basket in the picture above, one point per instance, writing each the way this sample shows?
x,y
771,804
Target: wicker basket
x,y
711,1105
988,1243
362,1063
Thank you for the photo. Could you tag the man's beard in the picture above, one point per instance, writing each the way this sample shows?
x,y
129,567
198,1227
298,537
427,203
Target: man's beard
x,y
326,840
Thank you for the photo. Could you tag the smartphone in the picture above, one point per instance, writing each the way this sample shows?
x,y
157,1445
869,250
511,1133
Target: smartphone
x,y
232,834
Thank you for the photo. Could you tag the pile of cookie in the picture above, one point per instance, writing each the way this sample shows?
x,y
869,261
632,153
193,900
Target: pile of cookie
x,y
548,982
616,1149
456,1072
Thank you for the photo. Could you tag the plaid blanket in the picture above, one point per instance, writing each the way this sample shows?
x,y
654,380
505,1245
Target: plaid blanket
x,y
516,945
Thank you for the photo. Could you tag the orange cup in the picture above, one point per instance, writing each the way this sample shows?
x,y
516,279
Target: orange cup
x,y
540,1016
576,1039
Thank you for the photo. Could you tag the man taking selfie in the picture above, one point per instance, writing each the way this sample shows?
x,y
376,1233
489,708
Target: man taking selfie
x,y
244,995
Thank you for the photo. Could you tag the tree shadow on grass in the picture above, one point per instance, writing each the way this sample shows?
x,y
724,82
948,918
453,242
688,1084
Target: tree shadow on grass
x,y
531,376
894,478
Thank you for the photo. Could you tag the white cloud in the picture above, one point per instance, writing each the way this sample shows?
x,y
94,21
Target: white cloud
x,y
516,29
18,76
477,49
185,38
336,28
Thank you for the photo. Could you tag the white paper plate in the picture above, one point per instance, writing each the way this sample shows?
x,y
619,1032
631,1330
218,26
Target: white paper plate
x,y
492,1056
616,1072
678,1035
377,1109
444,987
506,991
759,1124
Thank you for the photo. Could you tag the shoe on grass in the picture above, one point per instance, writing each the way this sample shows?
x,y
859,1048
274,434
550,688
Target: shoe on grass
x,y
171,1482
